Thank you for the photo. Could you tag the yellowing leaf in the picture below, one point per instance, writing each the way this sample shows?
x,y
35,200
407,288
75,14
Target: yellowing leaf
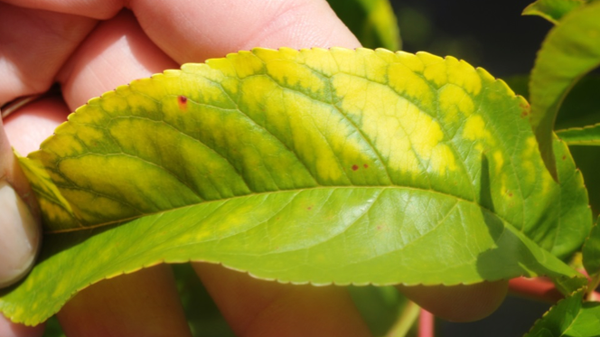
x,y
321,166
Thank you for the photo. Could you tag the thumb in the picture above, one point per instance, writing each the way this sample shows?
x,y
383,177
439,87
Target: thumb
x,y
19,228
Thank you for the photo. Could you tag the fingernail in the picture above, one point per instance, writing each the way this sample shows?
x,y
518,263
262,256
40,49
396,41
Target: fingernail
x,y
19,236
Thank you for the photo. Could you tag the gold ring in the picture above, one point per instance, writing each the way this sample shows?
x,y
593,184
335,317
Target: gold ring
x,y
16,104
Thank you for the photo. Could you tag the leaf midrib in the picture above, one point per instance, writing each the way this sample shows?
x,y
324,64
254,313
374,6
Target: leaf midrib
x,y
285,191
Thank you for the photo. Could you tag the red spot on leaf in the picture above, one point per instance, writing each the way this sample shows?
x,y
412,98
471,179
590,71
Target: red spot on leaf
x,y
182,101
366,165
354,167
526,109
309,208
564,157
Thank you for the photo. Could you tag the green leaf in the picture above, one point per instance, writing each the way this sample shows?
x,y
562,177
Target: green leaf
x,y
53,328
321,166
580,107
203,316
381,307
372,21
588,135
552,10
570,317
591,251
569,51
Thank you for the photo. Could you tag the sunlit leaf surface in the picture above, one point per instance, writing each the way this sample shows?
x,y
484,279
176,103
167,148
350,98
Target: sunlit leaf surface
x,y
321,166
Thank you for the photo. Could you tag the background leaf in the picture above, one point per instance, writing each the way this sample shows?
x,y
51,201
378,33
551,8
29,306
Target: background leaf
x,y
372,21
588,135
581,107
552,10
591,251
570,317
202,314
380,307
303,166
569,51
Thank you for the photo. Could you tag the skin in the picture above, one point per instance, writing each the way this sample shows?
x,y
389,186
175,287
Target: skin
x,y
92,46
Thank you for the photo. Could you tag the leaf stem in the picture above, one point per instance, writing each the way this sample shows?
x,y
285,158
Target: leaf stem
x,y
538,289
543,290
426,324
405,321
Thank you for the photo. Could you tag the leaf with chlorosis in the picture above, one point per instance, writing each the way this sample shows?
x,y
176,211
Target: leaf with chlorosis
x,y
570,50
588,135
313,166
591,251
570,317
372,21
552,10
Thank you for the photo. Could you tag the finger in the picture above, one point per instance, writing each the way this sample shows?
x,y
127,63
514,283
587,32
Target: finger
x,y
35,44
10,329
192,31
144,303
115,53
459,303
264,308
30,125
19,227
108,9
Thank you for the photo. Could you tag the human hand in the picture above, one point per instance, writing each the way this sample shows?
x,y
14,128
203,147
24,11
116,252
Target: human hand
x,y
91,47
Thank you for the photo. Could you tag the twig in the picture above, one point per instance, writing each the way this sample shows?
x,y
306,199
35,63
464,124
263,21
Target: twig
x,y
538,289
426,324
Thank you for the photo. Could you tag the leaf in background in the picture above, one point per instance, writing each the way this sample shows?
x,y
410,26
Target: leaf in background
x,y
552,10
53,328
380,307
570,50
372,21
570,317
203,316
591,251
588,135
321,166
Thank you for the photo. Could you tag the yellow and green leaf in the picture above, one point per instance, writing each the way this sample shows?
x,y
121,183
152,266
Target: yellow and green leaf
x,y
313,166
